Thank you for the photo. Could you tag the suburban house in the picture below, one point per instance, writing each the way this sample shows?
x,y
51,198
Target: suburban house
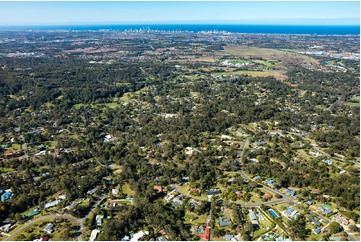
x,y
314,221
125,238
256,177
99,220
326,210
340,219
253,217
6,195
6,228
90,192
115,192
94,234
317,230
328,162
290,212
158,188
214,191
314,191
224,221
52,203
139,235
290,192
228,237
71,206
193,204
204,232
44,238
32,213
239,194
269,182
194,190
267,196
177,200
170,195
49,228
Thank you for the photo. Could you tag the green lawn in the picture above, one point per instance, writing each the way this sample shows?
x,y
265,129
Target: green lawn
x,y
355,99
36,231
5,169
127,190
267,63
15,147
197,219
353,104
110,105
185,189
263,227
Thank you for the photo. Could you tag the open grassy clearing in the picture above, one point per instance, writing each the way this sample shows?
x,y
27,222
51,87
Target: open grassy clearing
x,y
276,74
194,219
353,104
245,52
37,230
15,147
127,190
5,169
110,105
268,63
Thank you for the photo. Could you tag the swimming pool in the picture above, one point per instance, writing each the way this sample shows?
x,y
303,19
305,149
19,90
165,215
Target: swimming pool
x,y
273,213
200,230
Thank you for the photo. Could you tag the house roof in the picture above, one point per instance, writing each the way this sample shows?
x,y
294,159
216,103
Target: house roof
x,y
267,195
228,237
224,222
290,192
49,228
44,238
7,195
33,213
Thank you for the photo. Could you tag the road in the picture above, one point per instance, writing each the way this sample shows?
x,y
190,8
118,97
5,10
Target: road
x,y
69,217
285,198
282,200
17,231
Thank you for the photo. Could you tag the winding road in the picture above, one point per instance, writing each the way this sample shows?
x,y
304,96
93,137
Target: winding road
x,y
17,231
69,217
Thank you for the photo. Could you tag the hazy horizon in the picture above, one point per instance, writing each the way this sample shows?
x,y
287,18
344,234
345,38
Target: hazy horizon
x,y
262,13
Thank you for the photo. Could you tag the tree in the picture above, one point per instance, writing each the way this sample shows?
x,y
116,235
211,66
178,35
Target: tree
x,y
298,228
354,228
335,228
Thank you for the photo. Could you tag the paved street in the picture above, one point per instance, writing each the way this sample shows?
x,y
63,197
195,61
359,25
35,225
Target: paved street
x,y
17,231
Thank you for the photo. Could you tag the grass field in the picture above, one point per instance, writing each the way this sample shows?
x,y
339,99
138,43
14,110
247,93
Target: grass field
x,y
5,169
195,219
245,52
15,147
127,190
185,189
37,230
110,105
276,74
267,63
353,102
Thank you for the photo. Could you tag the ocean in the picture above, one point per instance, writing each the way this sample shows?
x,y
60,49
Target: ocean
x,y
258,29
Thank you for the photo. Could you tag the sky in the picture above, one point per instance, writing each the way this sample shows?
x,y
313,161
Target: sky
x,y
311,12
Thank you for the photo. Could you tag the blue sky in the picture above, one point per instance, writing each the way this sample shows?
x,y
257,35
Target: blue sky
x,y
15,13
